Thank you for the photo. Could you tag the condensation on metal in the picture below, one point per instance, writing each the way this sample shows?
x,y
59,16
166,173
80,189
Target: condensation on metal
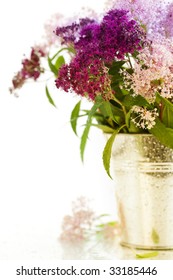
x,y
143,173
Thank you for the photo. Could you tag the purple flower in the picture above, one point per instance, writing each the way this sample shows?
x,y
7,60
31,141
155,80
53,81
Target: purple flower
x,y
120,35
167,23
96,46
114,37
70,33
155,16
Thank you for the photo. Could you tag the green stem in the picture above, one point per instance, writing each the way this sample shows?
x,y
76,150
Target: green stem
x,y
122,106
70,49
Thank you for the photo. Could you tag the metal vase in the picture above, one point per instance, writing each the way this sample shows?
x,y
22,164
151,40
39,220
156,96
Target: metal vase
x,y
143,171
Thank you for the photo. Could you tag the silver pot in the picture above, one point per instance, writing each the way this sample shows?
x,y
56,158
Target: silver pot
x,y
143,171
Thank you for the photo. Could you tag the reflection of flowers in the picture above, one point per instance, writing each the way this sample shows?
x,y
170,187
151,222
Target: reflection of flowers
x,y
84,224
84,233
76,226
108,230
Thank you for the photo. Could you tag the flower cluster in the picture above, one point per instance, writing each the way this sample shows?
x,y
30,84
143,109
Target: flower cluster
x,y
145,118
75,227
153,74
155,16
83,224
74,76
121,61
96,45
31,68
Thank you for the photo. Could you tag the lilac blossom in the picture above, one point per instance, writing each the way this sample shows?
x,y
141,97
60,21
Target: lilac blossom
x,y
70,33
150,12
114,37
167,21
155,16
96,46
120,35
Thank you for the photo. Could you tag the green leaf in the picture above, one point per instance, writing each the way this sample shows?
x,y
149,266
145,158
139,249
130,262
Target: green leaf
x,y
116,79
116,110
155,236
162,133
147,255
104,128
100,225
138,100
106,109
124,91
84,138
74,116
49,97
108,149
167,116
59,62
115,86
110,110
103,215
128,117
115,67
111,224
167,110
70,49
132,128
52,67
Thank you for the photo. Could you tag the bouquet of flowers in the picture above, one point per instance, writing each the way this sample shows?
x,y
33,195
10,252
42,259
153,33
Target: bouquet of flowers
x,y
121,61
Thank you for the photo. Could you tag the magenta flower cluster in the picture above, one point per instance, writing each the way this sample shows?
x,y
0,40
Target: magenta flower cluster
x,y
31,68
87,78
97,45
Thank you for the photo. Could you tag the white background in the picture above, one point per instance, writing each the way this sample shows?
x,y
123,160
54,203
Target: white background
x,y
40,166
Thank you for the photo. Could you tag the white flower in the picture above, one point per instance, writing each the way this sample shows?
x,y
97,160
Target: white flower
x,y
145,119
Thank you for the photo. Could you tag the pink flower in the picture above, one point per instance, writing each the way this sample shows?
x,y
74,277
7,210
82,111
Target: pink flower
x,y
152,73
75,227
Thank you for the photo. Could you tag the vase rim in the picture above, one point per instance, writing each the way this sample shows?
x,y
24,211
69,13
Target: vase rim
x,y
133,134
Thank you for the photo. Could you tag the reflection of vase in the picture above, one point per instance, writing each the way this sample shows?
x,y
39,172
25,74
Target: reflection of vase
x,y
143,170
